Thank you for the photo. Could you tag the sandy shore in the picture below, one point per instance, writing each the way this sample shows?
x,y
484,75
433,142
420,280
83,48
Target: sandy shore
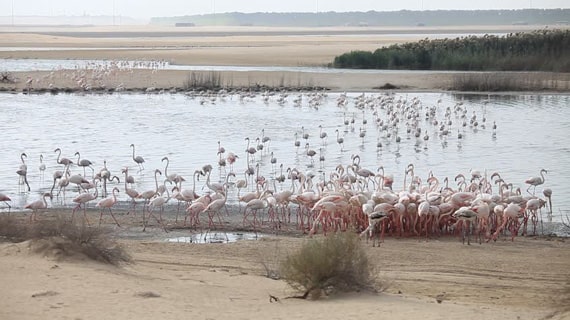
x,y
525,279
241,46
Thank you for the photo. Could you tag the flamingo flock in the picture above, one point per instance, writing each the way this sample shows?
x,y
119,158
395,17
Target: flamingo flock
x,y
348,197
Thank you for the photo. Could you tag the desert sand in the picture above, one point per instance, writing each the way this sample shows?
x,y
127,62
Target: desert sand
x,y
525,279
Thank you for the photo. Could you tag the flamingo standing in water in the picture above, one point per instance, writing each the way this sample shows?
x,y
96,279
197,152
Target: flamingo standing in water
x,y
84,163
535,181
231,158
108,203
65,161
137,159
23,171
339,140
42,167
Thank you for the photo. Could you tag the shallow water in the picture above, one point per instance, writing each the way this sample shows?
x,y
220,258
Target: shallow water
x,y
531,131
215,237
23,65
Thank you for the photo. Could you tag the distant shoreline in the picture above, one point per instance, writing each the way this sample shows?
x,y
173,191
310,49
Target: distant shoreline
x,y
256,48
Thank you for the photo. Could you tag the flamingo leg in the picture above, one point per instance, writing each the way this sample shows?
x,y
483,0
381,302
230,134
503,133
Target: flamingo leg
x,y
113,216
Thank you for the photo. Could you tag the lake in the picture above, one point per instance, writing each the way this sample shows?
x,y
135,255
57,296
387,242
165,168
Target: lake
x,y
530,136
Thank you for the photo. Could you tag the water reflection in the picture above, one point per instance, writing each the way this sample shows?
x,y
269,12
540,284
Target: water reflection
x,y
215,237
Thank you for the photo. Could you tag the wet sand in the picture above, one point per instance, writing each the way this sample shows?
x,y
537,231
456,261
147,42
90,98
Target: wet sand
x,y
524,279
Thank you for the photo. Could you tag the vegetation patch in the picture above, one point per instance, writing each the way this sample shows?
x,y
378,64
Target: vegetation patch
x,y
201,80
539,50
329,264
7,77
61,238
492,81
387,86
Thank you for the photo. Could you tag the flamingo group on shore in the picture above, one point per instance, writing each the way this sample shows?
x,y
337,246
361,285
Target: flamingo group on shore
x,y
363,199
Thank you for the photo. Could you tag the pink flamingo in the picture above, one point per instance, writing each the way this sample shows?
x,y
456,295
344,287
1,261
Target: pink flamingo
x,y
231,158
108,203
82,199
511,215
65,161
535,181
38,205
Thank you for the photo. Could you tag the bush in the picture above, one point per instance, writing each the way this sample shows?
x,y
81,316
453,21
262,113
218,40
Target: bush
x,y
60,237
203,80
337,262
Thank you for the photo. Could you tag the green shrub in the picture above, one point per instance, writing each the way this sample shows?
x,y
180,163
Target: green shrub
x,y
539,50
337,262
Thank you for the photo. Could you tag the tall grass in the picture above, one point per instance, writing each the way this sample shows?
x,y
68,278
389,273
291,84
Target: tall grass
x,y
539,50
200,80
510,81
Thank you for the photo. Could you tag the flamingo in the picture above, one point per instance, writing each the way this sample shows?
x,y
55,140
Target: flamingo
x,y
108,203
548,194
23,171
194,211
374,219
169,177
42,166
213,209
147,195
535,181
84,163
231,158
83,199
339,140
264,139
64,161
250,150
297,143
138,159
467,216
254,205
322,135
510,214
158,201
132,193
310,152
38,205
128,178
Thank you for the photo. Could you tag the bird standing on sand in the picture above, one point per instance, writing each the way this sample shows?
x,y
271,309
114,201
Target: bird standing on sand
x,y
38,205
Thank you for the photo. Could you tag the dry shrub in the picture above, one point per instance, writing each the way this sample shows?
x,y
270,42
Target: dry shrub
x,y
62,238
337,262
12,230
269,256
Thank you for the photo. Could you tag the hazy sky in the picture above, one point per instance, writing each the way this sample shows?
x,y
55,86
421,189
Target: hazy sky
x,y
158,8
